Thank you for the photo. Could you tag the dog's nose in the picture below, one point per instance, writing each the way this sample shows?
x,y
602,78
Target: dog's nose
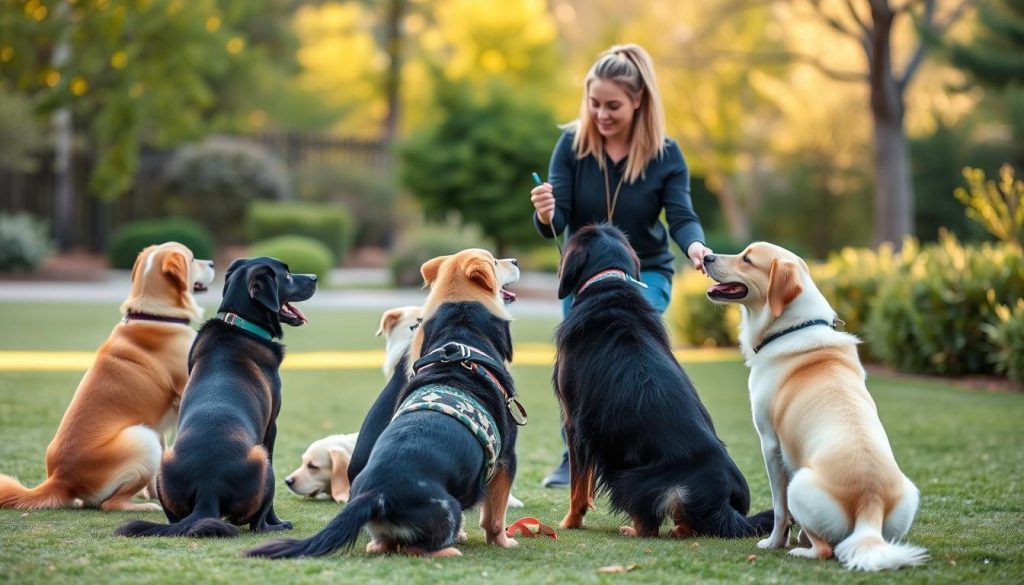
x,y
210,262
514,262
289,480
709,259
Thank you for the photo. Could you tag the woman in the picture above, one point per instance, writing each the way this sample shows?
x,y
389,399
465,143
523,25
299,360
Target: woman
x,y
615,164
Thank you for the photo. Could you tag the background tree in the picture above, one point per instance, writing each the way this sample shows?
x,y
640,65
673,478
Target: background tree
x,y
872,25
475,162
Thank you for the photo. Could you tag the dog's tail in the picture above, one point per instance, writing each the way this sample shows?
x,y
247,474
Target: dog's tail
x,y
867,550
731,524
196,525
49,494
341,532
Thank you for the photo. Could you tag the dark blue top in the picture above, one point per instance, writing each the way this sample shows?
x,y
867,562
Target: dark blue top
x,y
579,190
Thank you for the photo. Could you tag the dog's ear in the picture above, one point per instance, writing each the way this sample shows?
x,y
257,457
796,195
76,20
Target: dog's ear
x,y
430,269
340,487
175,268
262,286
783,285
388,320
571,270
138,261
481,272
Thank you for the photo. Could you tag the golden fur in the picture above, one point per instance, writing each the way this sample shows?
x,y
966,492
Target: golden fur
x,y
109,443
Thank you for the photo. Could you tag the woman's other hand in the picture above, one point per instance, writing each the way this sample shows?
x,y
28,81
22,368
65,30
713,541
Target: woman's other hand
x,y
697,251
543,199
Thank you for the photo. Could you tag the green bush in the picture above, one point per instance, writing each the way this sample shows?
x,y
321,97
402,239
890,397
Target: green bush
x,y
697,321
543,259
214,182
331,225
1006,335
24,242
369,196
302,255
928,316
133,237
430,242
850,280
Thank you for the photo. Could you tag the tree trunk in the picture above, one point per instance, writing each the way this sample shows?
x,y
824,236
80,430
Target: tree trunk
x,y
64,193
735,216
393,80
894,193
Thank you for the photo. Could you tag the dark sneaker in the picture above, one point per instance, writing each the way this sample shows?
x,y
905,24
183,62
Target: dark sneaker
x,y
559,477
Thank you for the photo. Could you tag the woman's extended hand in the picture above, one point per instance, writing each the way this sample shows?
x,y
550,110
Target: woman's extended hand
x,y
697,251
543,199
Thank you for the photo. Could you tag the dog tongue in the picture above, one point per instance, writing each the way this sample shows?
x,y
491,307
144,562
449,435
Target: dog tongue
x,y
725,288
295,311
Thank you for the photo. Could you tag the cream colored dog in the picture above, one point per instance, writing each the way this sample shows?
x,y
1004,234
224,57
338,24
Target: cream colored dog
x,y
324,468
397,326
829,462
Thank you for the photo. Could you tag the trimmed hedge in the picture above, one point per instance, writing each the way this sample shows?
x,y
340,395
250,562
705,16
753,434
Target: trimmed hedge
x,y
302,255
133,237
331,225
928,317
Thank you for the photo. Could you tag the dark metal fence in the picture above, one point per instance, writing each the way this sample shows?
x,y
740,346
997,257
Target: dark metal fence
x,y
95,220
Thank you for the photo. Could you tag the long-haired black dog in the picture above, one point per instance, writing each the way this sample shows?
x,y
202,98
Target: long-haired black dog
x,y
378,417
221,463
416,506
633,420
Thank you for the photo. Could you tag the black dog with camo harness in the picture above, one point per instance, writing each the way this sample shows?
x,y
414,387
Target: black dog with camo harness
x,y
451,441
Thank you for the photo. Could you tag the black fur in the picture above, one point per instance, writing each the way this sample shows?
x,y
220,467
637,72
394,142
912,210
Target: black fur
x,y
221,464
631,412
377,418
425,467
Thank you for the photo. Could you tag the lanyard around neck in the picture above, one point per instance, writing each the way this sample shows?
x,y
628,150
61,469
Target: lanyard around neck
x,y
609,199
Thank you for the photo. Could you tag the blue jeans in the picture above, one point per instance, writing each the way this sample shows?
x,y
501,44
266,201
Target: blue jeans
x,y
658,291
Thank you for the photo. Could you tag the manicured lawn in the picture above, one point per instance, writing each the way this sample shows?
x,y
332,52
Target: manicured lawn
x,y
962,448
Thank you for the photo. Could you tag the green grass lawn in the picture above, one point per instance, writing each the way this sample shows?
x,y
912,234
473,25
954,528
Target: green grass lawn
x,y
962,448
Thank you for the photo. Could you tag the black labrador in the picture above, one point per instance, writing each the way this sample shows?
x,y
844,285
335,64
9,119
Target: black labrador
x,y
221,464
634,423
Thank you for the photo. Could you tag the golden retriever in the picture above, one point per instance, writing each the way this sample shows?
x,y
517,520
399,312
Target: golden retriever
x,y
109,443
829,462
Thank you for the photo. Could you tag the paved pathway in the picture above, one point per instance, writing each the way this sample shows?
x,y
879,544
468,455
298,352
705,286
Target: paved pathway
x,y
537,292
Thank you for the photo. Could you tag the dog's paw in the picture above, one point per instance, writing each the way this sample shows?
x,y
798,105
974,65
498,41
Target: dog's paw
x,y
462,537
500,539
771,542
571,521
627,531
804,553
381,547
284,525
514,502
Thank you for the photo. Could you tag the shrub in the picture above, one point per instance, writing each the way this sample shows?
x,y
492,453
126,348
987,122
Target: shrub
x,y
697,321
331,225
302,255
24,242
1006,335
997,206
133,237
369,196
850,280
214,182
543,259
430,242
928,316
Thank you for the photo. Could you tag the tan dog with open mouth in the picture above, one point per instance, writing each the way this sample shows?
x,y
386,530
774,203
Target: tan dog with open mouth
x,y
829,462
109,443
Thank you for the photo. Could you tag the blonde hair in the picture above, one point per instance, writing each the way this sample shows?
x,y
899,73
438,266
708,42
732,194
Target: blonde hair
x,y
630,68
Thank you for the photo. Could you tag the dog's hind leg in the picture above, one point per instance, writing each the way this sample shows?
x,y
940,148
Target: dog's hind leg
x,y
581,490
138,448
641,528
492,513
265,519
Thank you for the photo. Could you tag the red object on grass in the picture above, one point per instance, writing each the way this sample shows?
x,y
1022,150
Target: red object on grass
x,y
524,527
